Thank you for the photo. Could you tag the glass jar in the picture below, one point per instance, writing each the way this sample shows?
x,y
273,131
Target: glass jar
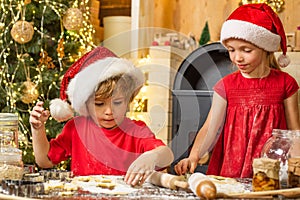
x,y
9,122
11,164
294,161
265,174
277,147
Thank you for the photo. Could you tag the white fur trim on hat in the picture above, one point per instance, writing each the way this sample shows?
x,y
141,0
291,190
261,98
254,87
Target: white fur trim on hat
x,y
86,82
60,110
252,33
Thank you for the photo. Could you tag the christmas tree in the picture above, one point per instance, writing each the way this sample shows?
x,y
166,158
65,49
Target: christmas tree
x,y
39,40
205,35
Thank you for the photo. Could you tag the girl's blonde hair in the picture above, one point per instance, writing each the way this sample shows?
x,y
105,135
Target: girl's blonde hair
x,y
123,84
273,61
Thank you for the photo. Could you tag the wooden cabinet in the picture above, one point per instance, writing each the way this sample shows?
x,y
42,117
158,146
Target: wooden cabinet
x,y
114,8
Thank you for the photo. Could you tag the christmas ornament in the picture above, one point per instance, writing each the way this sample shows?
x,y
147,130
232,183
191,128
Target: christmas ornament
x,y
60,48
1,25
27,2
46,60
22,32
29,92
73,19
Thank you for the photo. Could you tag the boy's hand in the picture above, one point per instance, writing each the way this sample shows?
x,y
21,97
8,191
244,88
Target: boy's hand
x,y
38,115
140,169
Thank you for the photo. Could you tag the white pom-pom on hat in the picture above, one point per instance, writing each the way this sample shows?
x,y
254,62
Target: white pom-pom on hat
x,y
61,110
283,60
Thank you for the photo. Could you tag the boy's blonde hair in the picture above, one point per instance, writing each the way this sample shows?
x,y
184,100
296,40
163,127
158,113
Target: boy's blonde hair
x,y
121,84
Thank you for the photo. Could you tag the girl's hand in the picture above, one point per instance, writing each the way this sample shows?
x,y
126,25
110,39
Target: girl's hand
x,y
38,115
186,165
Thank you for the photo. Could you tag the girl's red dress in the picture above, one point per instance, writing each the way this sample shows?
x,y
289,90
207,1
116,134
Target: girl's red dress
x,y
255,106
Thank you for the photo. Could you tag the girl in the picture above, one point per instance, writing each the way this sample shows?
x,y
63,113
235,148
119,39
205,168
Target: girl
x,y
249,103
101,140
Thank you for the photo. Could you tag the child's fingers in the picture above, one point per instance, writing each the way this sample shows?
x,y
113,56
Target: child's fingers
x,y
134,178
34,114
182,167
39,103
46,113
35,123
145,176
38,115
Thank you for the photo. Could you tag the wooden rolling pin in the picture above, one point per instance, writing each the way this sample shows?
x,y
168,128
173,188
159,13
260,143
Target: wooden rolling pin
x,y
167,180
202,186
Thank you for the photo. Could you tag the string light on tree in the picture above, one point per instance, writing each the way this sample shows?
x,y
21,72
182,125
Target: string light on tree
x,y
276,5
37,47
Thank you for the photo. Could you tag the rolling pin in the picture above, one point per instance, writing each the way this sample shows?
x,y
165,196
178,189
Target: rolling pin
x,y
167,180
202,186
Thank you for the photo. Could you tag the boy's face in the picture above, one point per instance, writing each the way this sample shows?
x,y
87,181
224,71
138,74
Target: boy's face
x,y
108,113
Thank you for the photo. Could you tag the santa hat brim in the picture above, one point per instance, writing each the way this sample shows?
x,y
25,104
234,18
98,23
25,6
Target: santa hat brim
x,y
86,82
257,35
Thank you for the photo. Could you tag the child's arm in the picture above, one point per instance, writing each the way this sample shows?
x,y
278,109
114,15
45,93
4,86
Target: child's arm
x,y
292,112
206,136
144,165
37,119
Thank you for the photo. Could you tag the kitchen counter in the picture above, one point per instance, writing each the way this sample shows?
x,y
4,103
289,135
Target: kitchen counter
x,y
147,192
34,190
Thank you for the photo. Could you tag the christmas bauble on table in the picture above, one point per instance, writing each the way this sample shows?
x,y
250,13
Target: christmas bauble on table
x,y
73,19
22,32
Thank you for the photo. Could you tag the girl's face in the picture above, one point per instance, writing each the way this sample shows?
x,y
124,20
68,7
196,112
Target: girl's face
x,y
109,112
250,59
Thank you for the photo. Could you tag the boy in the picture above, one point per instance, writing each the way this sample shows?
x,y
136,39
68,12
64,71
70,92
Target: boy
x,y
101,140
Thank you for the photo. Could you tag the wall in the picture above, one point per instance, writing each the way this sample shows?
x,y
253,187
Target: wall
x,y
293,68
187,16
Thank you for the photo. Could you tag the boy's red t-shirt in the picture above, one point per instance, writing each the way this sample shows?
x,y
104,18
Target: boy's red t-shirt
x,y
96,150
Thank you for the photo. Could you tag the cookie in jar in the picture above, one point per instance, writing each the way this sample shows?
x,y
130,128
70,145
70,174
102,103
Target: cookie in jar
x,y
265,174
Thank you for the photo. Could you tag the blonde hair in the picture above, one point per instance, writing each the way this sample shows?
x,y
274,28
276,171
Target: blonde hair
x,y
273,61
123,84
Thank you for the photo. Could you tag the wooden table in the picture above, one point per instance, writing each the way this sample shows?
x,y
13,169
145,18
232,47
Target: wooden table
x,y
145,192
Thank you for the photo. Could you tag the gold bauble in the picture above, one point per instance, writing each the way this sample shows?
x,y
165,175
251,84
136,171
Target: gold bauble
x,y
29,92
73,19
27,2
2,25
22,32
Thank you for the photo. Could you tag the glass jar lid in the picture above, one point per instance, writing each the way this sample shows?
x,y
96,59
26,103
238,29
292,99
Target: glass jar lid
x,y
8,120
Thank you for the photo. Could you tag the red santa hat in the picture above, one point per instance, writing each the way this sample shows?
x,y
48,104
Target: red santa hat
x,y
82,79
260,25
